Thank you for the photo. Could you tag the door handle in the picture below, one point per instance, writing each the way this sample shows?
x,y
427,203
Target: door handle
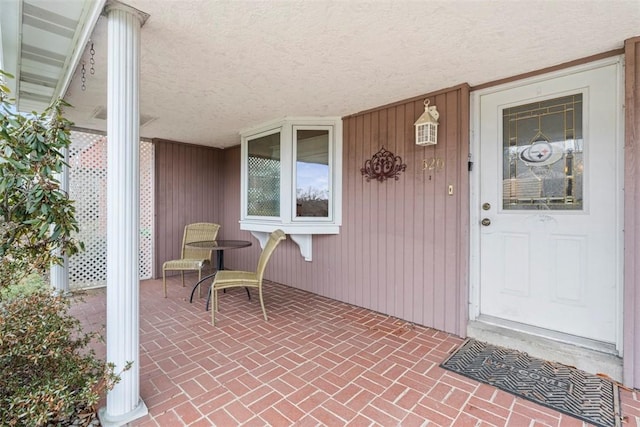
x,y
485,221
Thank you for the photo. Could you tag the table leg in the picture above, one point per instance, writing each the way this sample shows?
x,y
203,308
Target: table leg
x,y
220,260
198,284
219,263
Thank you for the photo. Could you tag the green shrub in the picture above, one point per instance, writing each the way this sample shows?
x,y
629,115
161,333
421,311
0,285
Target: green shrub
x,y
36,215
47,372
27,286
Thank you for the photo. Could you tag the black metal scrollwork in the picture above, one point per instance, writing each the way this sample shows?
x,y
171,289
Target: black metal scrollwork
x,y
383,165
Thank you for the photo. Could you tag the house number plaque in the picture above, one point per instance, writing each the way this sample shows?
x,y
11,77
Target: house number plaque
x,y
433,164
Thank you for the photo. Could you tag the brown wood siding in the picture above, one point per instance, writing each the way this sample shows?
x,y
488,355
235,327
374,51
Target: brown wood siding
x,y
631,336
402,247
245,259
189,185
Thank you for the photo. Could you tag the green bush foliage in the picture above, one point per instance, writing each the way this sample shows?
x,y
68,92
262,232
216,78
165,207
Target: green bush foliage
x,y
46,373
29,285
36,215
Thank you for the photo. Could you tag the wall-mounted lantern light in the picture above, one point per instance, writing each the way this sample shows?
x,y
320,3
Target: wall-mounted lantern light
x,y
427,126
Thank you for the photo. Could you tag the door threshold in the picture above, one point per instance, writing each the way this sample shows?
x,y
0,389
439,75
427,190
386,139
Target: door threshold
x,y
601,346
589,355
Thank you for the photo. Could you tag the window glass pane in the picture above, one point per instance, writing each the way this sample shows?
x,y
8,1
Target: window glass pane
x,y
312,173
543,151
263,170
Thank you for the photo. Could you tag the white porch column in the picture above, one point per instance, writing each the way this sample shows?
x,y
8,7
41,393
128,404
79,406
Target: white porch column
x,y
60,273
123,212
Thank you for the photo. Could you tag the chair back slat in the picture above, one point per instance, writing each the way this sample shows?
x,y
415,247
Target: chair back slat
x,y
274,240
198,232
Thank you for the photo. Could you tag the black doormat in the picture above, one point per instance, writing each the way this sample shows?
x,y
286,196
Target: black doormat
x,y
563,388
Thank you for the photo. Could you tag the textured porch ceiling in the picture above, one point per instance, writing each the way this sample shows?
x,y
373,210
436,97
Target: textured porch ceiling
x,y
212,68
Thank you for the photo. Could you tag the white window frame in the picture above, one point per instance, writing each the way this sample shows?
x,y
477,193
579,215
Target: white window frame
x,y
245,176
301,229
294,176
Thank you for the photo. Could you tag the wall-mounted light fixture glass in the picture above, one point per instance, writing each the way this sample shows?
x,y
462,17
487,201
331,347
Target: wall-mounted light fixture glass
x,y
427,126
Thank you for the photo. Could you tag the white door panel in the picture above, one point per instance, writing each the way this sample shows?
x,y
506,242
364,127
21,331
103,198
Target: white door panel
x,y
549,253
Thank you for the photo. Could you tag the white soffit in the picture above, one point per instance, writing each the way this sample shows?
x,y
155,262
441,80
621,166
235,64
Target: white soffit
x,y
44,38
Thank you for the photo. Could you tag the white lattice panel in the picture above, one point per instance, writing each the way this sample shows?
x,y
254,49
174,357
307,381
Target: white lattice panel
x,y
88,188
146,209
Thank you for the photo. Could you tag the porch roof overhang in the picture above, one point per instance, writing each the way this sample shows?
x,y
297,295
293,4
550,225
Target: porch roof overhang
x,y
209,69
41,45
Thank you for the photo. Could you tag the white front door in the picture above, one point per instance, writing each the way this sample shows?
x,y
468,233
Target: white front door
x,y
548,214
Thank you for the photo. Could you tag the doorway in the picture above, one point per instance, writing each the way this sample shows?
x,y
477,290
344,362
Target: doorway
x,y
546,206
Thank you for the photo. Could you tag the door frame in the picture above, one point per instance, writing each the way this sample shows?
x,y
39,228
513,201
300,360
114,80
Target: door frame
x,y
474,182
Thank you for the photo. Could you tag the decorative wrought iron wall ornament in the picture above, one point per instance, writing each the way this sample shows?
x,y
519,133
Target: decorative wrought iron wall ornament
x,y
383,165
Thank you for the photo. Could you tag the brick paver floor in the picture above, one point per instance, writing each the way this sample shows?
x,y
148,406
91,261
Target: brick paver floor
x,y
316,362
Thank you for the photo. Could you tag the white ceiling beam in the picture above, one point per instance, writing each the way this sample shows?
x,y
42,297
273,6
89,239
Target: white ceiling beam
x,y
10,41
